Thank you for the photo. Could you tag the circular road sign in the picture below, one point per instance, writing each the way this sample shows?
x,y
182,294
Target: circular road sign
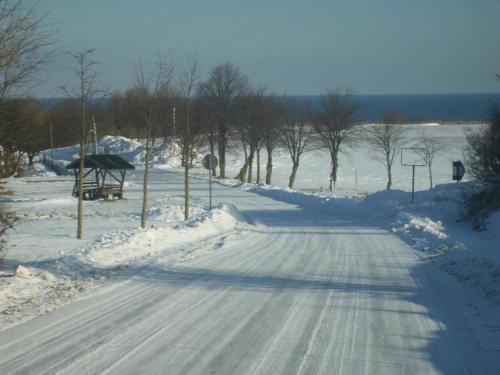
x,y
206,161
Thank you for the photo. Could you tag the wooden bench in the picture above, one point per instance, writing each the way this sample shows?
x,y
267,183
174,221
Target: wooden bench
x,y
90,190
113,191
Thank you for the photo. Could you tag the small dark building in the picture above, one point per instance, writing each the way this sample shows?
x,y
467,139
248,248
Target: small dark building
x,y
103,176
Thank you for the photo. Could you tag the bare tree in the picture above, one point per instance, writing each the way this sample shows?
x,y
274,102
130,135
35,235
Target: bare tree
x,y
85,89
386,139
432,146
25,39
20,133
24,42
334,123
7,222
246,134
188,82
223,87
146,93
273,114
296,134
204,122
250,125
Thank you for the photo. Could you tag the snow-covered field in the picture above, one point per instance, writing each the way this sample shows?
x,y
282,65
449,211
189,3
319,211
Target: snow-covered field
x,y
251,220
357,159
314,171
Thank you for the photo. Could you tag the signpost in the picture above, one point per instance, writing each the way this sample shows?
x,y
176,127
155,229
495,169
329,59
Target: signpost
x,y
413,157
210,162
458,171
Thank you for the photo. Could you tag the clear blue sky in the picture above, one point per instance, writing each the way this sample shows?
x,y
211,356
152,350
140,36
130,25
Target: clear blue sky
x,y
298,47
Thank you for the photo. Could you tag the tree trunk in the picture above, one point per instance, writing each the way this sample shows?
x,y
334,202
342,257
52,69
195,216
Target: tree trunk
x,y
269,166
389,177
430,174
145,185
79,230
222,152
389,170
333,174
291,181
212,151
186,188
258,165
187,149
17,163
31,155
243,171
250,164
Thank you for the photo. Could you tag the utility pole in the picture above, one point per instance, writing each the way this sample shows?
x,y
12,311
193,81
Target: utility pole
x,y
51,145
173,122
95,136
210,181
186,163
413,184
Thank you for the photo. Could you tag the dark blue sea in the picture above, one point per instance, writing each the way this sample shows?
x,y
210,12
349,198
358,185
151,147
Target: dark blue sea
x,y
423,107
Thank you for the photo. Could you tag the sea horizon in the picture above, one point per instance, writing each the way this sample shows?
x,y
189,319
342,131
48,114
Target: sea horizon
x,y
451,107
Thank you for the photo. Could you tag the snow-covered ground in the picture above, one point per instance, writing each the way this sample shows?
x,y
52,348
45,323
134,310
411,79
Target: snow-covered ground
x,y
314,171
285,282
357,159
45,235
46,267
434,226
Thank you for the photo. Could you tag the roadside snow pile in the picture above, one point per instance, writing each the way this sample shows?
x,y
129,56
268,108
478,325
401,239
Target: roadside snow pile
x,y
167,242
164,154
423,224
118,145
32,291
39,169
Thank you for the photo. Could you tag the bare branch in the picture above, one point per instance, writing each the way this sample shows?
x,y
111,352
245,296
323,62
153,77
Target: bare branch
x,y
24,42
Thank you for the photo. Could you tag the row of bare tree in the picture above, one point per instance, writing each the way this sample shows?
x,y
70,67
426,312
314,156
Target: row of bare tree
x,y
225,111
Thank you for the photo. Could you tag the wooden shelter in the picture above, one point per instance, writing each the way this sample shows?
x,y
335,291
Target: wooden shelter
x,y
103,176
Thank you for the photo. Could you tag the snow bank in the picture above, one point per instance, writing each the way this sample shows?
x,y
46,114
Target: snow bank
x,y
126,247
164,154
32,291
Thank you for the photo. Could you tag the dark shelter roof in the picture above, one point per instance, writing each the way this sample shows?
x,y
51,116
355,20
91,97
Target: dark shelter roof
x,y
109,162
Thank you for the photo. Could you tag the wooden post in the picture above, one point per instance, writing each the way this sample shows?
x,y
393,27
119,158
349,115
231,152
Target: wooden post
x,y
95,136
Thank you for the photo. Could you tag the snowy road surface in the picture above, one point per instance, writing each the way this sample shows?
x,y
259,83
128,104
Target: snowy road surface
x,y
297,291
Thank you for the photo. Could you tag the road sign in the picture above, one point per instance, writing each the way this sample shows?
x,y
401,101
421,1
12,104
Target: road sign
x,y
458,170
210,165
413,157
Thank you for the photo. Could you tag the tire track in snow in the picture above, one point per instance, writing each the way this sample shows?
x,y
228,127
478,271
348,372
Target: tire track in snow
x,y
142,330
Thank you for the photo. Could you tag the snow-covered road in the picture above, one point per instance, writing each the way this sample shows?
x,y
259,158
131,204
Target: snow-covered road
x,y
297,291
